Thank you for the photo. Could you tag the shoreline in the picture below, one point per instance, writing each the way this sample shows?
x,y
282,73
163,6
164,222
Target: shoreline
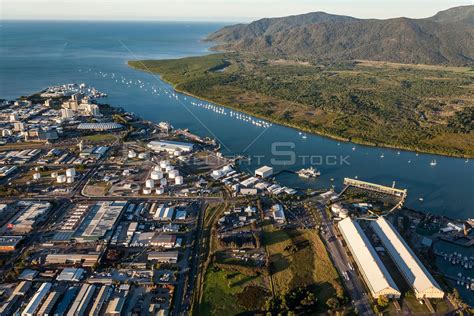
x,y
302,129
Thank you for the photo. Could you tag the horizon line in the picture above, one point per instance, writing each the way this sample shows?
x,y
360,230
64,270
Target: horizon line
x,y
119,20
245,20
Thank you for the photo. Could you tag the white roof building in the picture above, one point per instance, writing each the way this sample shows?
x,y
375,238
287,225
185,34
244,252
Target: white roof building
x,y
414,272
170,146
70,275
370,265
36,300
264,172
278,213
106,126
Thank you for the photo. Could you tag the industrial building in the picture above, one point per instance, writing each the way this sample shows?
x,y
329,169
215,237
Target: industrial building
x,y
35,301
264,172
99,126
411,268
278,214
164,213
82,300
48,305
100,300
66,301
171,147
96,152
100,220
370,265
163,256
6,171
31,213
70,275
115,306
165,241
87,260
9,243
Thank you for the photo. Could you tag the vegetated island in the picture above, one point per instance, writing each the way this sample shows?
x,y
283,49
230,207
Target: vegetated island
x,y
422,108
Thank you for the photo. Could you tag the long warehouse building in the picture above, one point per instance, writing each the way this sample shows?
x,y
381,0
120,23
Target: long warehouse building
x,y
414,272
370,265
36,300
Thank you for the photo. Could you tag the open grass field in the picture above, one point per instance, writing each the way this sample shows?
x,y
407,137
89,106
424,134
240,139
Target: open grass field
x,y
221,290
100,138
415,107
298,258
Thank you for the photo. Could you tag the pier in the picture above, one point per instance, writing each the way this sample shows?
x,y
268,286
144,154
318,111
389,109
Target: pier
x,y
400,193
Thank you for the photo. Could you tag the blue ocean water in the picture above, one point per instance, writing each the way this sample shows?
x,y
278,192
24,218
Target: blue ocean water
x,y
34,55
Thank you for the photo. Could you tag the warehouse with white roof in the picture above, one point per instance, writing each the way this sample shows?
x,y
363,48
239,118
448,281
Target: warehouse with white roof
x,y
414,272
370,265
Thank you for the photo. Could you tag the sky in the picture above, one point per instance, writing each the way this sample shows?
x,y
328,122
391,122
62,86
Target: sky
x,y
215,10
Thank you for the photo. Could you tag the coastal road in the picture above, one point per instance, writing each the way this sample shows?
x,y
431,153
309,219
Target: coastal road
x,y
353,284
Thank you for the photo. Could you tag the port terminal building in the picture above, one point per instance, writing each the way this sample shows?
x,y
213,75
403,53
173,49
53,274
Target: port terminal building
x,y
409,265
375,274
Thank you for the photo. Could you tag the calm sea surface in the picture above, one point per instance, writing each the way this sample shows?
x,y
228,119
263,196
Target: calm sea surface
x,y
34,55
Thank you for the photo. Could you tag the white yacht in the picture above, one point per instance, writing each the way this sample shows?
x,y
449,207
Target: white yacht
x,y
309,173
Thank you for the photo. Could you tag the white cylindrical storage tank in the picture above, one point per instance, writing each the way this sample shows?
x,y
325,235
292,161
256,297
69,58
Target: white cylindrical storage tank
x,y
160,190
164,164
142,155
70,179
54,175
150,183
157,168
169,168
132,154
178,180
163,182
36,176
61,178
71,172
146,191
172,175
156,175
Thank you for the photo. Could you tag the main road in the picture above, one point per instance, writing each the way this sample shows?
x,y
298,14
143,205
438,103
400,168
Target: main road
x,y
352,282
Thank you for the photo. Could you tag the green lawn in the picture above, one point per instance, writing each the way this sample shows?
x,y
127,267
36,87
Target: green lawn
x,y
220,292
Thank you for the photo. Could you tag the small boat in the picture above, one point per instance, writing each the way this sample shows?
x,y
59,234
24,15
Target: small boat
x,y
433,163
398,153
409,161
309,173
304,136
382,155
353,148
421,199
467,160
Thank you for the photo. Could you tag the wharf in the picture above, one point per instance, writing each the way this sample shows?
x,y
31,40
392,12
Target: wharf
x,y
460,241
